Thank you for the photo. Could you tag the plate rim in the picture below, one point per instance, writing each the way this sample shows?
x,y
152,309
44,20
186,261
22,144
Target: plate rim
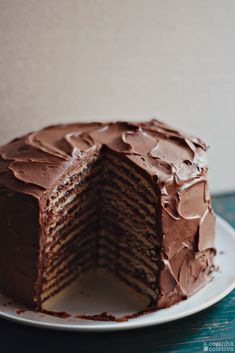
x,y
129,324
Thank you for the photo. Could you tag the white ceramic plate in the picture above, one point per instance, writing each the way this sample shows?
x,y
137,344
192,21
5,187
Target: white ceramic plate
x,y
110,299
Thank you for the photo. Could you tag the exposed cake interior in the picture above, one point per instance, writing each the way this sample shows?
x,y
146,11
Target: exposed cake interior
x,y
102,215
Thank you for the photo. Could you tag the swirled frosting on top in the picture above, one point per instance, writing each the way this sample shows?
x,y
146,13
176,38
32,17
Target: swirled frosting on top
x,y
33,162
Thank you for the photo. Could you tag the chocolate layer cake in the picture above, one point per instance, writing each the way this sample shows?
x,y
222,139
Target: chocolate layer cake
x,y
131,198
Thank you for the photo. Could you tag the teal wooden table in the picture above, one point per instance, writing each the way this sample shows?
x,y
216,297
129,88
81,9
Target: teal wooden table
x,y
202,332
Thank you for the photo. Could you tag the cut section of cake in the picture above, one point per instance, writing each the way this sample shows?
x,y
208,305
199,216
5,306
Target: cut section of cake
x,y
131,198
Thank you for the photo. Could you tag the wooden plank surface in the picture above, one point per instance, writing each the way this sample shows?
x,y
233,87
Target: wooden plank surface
x,y
198,333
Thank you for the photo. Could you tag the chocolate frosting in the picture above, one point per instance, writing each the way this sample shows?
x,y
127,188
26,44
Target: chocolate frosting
x,y
173,161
